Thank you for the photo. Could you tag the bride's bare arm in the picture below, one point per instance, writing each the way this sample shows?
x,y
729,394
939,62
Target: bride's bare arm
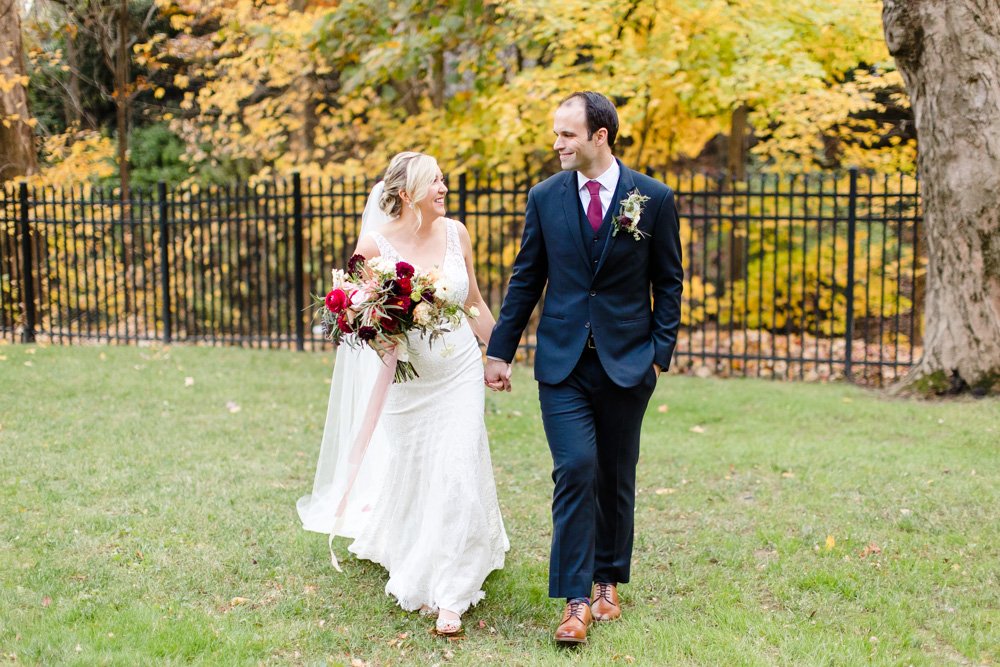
x,y
367,247
482,326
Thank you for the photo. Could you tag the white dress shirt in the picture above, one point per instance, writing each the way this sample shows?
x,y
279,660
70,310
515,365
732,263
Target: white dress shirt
x,y
608,181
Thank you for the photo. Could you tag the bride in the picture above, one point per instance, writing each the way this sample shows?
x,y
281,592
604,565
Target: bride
x,y
422,501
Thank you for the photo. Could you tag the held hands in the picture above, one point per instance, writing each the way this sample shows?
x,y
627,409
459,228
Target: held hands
x,y
496,375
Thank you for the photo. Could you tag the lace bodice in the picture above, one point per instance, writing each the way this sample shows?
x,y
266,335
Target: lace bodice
x,y
452,267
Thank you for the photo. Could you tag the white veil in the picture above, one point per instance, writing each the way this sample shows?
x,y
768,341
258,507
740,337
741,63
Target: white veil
x,y
354,374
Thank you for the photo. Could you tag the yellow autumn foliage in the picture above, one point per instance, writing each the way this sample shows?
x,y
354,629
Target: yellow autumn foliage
x,y
336,88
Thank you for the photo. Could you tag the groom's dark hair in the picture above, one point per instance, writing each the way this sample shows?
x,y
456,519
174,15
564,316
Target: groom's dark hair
x,y
600,113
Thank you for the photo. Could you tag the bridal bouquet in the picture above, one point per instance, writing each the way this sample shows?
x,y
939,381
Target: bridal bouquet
x,y
377,303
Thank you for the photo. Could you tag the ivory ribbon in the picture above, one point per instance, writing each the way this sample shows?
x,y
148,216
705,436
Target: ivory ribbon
x,y
363,438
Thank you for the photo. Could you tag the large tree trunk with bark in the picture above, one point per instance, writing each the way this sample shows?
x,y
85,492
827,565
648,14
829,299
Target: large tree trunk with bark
x,y
17,140
948,52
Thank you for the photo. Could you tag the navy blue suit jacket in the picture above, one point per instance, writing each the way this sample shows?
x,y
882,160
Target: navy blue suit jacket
x,y
630,302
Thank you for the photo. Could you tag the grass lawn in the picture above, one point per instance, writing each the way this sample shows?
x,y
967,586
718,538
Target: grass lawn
x,y
148,516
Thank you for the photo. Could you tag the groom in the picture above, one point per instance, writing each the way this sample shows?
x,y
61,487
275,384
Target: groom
x,y
602,238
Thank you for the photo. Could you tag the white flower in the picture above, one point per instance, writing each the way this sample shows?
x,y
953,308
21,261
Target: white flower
x,y
423,314
339,279
473,312
443,289
633,210
382,265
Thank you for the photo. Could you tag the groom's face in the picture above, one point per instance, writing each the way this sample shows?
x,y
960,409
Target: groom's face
x,y
575,149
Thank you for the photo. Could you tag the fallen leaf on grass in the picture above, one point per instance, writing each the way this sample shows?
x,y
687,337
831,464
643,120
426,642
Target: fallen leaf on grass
x,y
665,492
787,474
871,550
237,601
46,601
309,590
189,382
662,407
482,624
30,350
28,363
830,542
358,662
233,406
697,429
3,357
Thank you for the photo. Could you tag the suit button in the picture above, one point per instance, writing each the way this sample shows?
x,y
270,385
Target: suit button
x,y
593,293
587,325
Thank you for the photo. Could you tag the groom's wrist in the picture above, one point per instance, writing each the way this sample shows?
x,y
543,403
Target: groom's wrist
x,y
504,361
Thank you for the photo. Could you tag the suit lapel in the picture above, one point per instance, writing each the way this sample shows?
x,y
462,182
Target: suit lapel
x,y
625,184
571,214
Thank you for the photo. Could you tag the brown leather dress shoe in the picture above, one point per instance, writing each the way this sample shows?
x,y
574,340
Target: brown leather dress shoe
x,y
604,602
575,621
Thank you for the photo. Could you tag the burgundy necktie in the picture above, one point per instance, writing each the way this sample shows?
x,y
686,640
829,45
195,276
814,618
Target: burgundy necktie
x,y
594,214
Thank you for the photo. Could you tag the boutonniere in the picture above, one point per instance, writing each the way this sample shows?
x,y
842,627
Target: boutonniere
x,y
629,212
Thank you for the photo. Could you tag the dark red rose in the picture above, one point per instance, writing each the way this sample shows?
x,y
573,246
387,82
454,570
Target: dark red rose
x,y
367,333
354,264
401,302
404,270
390,324
336,300
625,221
404,286
343,324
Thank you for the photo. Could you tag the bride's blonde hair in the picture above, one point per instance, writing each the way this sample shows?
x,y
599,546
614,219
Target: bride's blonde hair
x,y
408,172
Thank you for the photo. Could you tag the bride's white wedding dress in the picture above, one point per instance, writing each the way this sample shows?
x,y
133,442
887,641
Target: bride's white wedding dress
x,y
430,515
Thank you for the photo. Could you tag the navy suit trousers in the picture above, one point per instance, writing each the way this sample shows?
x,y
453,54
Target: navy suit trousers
x,y
592,426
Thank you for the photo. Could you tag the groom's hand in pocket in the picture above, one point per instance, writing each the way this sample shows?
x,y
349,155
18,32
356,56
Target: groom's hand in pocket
x,y
496,374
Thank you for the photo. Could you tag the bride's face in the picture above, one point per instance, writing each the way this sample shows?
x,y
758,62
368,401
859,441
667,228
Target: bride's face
x,y
431,205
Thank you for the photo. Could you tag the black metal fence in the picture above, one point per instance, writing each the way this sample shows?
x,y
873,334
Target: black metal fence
x,y
810,276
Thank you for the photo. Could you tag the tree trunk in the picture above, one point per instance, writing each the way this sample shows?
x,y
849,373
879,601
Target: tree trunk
x,y
437,79
17,140
736,165
736,161
122,96
75,113
947,52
